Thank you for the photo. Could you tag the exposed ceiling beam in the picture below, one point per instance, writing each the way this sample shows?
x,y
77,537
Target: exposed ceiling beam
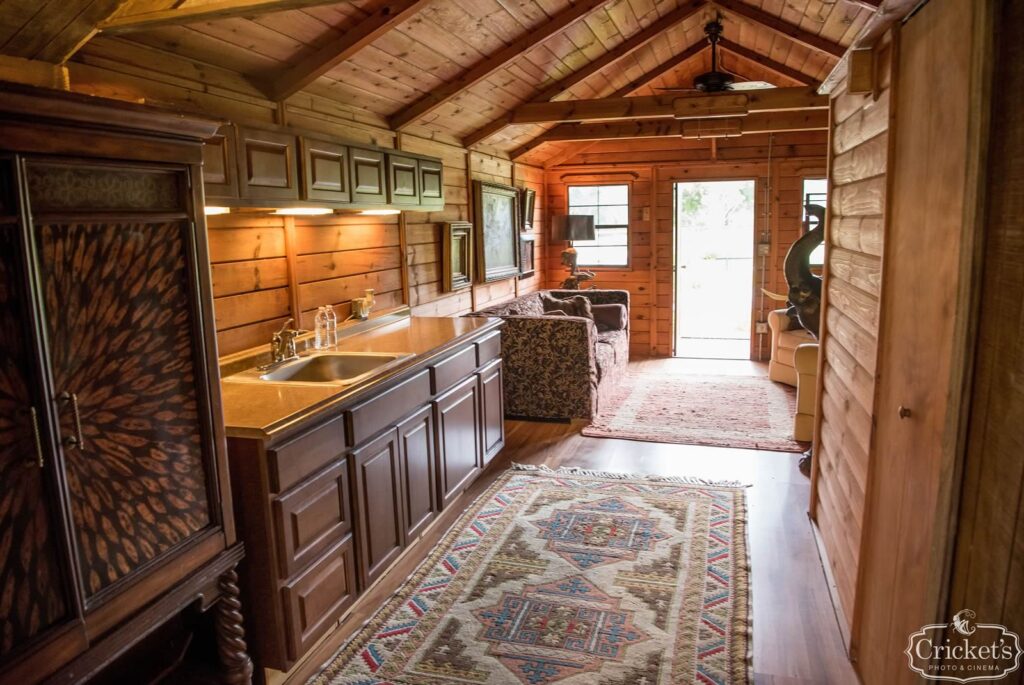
x,y
481,70
890,12
767,62
569,152
126,21
662,69
695,106
295,77
782,28
761,122
623,49
55,34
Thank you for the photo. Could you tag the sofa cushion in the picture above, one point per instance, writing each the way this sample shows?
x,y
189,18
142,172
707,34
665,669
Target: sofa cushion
x,y
610,317
578,305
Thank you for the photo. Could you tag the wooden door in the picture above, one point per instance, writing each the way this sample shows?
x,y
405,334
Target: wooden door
x,y
416,435
378,478
922,337
457,413
492,399
127,366
368,177
35,584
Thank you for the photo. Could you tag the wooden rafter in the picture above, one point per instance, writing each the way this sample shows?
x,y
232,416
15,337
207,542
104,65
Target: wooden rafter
x,y
623,49
761,122
767,62
678,106
56,33
299,75
491,64
127,21
782,27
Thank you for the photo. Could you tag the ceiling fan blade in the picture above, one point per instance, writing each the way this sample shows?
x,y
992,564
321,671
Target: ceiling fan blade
x,y
751,85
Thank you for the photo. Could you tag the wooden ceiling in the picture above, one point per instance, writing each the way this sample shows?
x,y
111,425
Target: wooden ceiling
x,y
453,68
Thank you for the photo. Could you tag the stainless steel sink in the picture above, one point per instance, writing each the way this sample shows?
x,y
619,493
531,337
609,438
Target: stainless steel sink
x,y
340,368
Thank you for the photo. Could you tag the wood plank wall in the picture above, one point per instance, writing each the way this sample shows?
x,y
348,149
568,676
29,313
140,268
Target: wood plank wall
x,y
850,337
332,258
651,168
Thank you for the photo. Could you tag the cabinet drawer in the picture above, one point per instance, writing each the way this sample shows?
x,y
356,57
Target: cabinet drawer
x,y
450,371
303,456
316,599
370,417
488,348
312,517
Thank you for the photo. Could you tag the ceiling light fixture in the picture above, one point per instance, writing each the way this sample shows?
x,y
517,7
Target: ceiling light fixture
x,y
303,211
214,211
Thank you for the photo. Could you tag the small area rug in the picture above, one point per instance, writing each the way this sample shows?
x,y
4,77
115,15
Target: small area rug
x,y
750,412
574,578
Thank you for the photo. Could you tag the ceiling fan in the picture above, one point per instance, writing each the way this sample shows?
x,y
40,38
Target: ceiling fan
x,y
716,80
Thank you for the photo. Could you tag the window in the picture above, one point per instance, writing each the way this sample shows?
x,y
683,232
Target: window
x,y
815,193
609,205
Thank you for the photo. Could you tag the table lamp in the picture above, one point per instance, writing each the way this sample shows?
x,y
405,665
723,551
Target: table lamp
x,y
570,227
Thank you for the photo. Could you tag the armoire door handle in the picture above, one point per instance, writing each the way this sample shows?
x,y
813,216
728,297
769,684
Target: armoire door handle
x,y
76,440
37,437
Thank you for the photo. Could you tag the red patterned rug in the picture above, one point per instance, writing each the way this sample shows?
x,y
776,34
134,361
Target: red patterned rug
x,y
570,578
749,412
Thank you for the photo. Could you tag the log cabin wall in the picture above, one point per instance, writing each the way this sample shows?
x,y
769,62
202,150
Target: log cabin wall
x,y
268,268
850,316
651,168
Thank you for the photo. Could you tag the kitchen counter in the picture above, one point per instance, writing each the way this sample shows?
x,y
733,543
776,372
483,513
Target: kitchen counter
x,y
270,411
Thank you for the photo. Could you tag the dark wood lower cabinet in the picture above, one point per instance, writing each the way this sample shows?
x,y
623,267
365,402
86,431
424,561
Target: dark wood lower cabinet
x,y
458,438
419,494
327,509
378,481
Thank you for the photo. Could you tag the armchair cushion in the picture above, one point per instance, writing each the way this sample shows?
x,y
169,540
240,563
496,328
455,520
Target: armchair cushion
x,y
572,306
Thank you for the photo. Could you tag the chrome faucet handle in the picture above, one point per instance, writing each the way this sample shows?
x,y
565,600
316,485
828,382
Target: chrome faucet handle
x,y
284,327
282,343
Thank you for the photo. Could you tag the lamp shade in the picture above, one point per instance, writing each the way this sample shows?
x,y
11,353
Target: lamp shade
x,y
572,227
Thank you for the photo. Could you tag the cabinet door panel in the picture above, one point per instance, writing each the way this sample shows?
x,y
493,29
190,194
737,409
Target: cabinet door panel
x,y
325,168
220,169
267,165
431,183
417,443
130,386
493,410
379,494
33,583
311,517
368,177
403,180
458,438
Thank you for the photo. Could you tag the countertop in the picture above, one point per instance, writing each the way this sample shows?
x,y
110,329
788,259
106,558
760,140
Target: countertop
x,y
268,411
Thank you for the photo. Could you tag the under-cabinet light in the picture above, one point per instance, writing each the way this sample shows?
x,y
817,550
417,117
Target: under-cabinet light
x,y
214,211
303,211
380,212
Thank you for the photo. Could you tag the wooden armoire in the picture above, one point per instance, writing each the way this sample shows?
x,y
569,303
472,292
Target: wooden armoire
x,y
115,512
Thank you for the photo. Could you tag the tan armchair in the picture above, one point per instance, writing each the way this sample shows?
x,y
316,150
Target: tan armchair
x,y
781,368
805,359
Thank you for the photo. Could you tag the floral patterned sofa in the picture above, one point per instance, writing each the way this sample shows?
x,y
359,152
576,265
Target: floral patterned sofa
x,y
559,367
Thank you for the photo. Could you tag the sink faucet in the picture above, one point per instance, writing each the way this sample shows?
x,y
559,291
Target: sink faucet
x,y
282,344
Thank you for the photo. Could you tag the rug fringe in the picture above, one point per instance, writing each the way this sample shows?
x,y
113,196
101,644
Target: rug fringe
x,y
618,475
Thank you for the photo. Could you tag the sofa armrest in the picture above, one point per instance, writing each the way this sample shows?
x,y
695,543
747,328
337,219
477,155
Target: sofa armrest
x,y
550,369
778,321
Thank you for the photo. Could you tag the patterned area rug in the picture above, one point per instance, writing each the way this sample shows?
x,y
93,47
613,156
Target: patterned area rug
x,y
571,578
750,412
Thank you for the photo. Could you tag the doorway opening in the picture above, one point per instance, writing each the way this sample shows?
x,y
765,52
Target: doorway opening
x,y
714,226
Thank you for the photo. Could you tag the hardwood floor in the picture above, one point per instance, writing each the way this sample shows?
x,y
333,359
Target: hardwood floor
x,y
796,635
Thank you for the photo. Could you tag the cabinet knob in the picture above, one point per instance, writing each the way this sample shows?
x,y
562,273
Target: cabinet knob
x,y
904,412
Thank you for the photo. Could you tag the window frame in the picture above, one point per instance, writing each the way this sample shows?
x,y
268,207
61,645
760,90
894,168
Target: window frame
x,y
628,266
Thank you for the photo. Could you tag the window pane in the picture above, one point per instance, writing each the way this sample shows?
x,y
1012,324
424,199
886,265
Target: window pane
x,y
604,256
615,215
612,236
582,195
613,195
585,209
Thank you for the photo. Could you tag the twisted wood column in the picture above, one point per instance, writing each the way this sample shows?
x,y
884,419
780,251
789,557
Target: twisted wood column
x,y
236,666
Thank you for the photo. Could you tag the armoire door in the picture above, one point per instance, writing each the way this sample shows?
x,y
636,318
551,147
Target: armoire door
x,y
35,597
115,255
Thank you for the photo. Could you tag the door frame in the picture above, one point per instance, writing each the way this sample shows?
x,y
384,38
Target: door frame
x,y
759,186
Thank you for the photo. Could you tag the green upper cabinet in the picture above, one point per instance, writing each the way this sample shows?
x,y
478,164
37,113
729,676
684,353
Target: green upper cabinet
x,y
431,177
325,171
369,180
403,180
266,164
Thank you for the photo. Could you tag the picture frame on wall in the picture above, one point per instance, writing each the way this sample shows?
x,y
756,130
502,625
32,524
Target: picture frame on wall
x,y
529,199
527,255
457,251
496,214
